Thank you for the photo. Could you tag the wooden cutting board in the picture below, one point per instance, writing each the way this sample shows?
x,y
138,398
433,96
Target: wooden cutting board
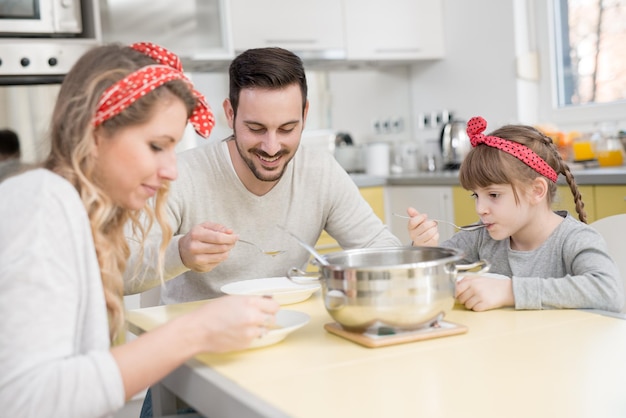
x,y
388,336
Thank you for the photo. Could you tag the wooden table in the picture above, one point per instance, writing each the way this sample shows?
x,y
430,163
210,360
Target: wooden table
x,y
553,363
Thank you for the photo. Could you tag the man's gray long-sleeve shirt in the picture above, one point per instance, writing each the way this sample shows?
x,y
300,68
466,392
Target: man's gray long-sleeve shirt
x,y
314,194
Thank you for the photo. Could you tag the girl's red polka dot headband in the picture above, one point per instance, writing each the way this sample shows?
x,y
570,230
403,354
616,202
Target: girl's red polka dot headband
x,y
477,125
135,85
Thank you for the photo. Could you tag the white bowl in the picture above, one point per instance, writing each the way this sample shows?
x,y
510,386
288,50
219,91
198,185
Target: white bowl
x,y
283,290
286,322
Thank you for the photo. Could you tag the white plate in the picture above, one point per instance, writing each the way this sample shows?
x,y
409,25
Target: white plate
x,y
286,322
283,290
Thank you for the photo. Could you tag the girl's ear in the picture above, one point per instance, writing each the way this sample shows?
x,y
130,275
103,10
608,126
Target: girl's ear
x,y
539,190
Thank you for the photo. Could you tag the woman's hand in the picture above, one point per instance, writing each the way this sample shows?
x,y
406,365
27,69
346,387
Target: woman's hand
x,y
480,293
231,322
422,231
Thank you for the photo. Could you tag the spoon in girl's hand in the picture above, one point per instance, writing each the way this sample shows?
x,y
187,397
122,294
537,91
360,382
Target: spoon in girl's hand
x,y
472,227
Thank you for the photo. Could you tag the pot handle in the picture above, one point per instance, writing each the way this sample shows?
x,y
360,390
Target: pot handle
x,y
301,277
484,263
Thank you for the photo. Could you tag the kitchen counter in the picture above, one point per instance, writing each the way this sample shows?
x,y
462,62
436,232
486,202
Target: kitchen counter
x,y
567,363
583,176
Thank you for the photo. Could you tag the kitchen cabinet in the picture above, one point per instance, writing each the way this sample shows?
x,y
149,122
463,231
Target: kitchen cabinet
x,y
375,196
359,30
609,200
435,201
464,206
193,29
465,210
394,29
565,201
311,28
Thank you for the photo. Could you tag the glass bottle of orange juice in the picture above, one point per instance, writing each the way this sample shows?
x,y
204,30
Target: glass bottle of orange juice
x,y
610,153
584,148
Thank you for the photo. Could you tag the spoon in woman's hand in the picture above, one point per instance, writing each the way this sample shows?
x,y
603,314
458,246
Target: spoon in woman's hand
x,y
472,227
272,253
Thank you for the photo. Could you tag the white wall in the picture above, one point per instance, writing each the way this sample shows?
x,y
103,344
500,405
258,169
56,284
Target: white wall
x,y
478,74
358,97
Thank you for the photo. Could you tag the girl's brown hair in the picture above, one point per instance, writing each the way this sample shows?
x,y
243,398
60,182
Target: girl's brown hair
x,y
485,165
71,156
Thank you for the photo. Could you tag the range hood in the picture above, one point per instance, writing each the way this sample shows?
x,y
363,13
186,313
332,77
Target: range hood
x,y
193,29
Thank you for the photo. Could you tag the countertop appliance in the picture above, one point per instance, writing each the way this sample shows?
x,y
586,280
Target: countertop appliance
x,y
40,17
455,144
40,40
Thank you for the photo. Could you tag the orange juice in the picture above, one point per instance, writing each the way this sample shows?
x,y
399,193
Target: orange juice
x,y
610,158
583,150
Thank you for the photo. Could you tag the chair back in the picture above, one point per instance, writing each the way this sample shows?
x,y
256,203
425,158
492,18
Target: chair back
x,y
613,229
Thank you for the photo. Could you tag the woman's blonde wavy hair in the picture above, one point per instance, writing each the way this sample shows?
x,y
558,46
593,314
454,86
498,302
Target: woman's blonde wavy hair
x,y
72,157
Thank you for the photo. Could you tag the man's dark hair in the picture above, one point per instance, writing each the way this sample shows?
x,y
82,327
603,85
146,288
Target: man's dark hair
x,y
266,68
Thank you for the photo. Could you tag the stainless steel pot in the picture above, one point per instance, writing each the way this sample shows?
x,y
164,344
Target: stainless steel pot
x,y
397,287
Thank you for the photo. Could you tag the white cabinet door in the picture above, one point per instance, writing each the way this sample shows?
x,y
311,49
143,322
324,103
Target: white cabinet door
x,y
189,28
436,201
311,28
394,29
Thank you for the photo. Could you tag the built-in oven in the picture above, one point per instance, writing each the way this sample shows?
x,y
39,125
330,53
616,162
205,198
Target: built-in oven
x,y
35,18
40,40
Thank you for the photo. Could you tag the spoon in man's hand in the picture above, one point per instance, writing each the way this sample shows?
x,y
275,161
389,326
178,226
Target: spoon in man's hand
x,y
272,253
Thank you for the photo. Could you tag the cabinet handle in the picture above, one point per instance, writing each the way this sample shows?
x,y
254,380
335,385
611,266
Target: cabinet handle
x,y
396,50
290,41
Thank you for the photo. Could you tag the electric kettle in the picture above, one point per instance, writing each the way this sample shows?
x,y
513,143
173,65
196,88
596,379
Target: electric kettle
x,y
455,144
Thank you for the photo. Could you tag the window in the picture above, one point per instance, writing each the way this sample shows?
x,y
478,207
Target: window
x,y
582,50
591,51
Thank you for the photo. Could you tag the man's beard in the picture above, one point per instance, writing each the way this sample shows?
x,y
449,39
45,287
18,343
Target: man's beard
x,y
250,162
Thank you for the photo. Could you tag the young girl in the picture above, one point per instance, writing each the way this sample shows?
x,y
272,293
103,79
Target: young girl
x,y
549,259
119,114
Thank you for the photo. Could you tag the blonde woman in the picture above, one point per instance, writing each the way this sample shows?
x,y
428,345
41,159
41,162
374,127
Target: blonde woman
x,y
119,114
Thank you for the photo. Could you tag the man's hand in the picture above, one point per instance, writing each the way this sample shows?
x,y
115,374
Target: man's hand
x,y
206,245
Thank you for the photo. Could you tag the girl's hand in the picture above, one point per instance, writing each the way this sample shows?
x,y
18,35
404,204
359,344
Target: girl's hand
x,y
422,231
480,293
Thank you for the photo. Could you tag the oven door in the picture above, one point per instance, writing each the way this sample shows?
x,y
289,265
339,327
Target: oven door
x,y
40,18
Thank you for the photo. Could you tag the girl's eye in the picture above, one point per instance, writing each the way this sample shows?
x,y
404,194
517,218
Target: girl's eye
x,y
155,147
286,130
474,196
494,195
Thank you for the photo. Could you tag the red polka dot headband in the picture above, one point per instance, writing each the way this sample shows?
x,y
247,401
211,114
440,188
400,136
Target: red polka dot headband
x,y
135,85
477,125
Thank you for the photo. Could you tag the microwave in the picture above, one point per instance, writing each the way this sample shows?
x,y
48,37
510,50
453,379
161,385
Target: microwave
x,y
40,18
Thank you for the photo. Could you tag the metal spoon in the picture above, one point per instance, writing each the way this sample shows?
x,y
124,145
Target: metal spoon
x,y
272,253
472,227
307,247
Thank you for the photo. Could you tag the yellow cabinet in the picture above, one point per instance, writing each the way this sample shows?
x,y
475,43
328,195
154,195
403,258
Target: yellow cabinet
x,y
610,200
465,211
375,196
565,201
464,207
